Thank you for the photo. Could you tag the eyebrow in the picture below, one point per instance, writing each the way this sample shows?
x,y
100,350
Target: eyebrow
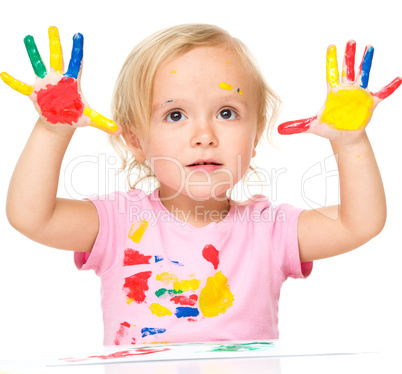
x,y
230,99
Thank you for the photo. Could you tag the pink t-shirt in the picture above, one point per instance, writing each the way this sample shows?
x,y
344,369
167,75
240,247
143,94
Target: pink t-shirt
x,y
164,280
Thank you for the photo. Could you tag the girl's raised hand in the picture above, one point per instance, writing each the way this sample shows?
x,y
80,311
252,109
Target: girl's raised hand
x,y
56,96
349,104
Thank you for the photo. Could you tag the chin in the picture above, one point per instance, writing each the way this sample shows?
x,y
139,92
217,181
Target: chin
x,y
203,193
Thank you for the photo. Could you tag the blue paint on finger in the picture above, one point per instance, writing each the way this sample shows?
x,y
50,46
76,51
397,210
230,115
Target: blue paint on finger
x,y
366,67
76,56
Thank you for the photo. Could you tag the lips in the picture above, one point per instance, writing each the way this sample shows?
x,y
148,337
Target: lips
x,y
209,161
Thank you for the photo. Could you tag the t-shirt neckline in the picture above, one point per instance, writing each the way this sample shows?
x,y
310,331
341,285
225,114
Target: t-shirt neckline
x,y
186,225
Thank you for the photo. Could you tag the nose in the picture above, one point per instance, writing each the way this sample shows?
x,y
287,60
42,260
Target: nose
x,y
204,135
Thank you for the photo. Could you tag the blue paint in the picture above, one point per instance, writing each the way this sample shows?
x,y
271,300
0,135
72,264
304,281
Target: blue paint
x,y
185,311
76,56
158,258
366,66
176,263
151,331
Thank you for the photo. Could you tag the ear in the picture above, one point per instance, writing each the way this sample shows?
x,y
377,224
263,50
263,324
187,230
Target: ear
x,y
256,141
135,145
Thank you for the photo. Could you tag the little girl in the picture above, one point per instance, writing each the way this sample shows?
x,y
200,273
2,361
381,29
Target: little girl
x,y
186,262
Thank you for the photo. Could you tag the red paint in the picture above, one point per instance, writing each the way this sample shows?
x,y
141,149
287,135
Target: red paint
x,y
211,254
61,102
120,332
361,64
184,300
350,60
136,285
133,257
295,127
191,320
121,354
389,89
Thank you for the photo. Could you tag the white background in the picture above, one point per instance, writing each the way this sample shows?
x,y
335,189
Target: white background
x,y
46,305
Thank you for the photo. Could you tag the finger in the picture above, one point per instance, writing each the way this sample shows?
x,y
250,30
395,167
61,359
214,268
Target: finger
x,y
332,67
365,66
33,53
56,56
76,56
389,89
295,127
101,122
15,84
348,67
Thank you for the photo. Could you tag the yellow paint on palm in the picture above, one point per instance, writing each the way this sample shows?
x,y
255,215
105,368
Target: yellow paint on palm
x,y
137,229
332,67
101,122
56,56
186,285
16,85
225,86
349,108
216,297
160,310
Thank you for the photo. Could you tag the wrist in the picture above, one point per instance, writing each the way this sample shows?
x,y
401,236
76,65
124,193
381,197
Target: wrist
x,y
56,129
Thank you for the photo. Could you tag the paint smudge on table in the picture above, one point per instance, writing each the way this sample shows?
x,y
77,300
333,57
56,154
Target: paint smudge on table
x,y
242,347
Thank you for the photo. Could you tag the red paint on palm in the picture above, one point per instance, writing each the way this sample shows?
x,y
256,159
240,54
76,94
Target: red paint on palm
x,y
136,285
295,127
211,254
134,257
61,103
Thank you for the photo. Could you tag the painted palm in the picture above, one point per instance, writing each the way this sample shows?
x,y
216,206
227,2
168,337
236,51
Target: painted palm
x,y
349,104
56,96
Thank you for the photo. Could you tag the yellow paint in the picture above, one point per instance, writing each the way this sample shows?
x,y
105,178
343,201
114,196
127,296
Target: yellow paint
x,y
332,67
160,310
186,285
350,108
101,122
240,92
174,71
56,56
227,62
137,230
129,301
166,278
215,297
225,86
16,85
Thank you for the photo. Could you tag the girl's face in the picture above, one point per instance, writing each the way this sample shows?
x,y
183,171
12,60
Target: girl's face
x,y
204,107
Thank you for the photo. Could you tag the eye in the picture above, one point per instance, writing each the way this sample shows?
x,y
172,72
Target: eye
x,y
175,116
228,114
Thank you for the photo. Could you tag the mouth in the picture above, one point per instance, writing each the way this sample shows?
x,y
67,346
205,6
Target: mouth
x,y
205,162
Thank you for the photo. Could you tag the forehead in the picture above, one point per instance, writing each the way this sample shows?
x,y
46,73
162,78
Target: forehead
x,y
204,68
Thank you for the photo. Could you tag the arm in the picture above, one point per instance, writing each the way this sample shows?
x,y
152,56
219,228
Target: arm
x,y
361,215
32,205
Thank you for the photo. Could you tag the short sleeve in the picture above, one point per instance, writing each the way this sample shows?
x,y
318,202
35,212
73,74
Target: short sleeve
x,y
102,256
285,242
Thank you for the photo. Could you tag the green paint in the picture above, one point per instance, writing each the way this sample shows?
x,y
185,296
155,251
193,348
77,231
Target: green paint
x,y
34,56
242,347
163,292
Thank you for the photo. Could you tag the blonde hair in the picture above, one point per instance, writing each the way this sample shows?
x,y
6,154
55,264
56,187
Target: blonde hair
x,y
132,98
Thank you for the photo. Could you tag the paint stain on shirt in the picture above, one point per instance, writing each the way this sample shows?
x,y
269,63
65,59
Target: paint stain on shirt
x,y
136,285
216,297
134,257
185,311
159,310
137,230
121,332
151,331
211,254
185,300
